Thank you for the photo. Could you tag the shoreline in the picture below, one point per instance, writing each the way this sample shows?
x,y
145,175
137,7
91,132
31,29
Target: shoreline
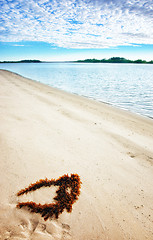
x,y
88,97
46,133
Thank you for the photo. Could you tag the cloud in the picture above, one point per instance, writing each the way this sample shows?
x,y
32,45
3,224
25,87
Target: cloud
x,y
18,45
78,23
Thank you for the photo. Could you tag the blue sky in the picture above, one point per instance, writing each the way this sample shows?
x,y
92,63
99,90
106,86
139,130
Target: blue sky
x,y
54,30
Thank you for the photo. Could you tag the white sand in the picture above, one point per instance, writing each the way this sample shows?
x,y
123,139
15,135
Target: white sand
x,y
45,132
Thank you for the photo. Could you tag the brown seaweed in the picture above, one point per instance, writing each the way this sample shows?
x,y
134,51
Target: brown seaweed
x,y
63,200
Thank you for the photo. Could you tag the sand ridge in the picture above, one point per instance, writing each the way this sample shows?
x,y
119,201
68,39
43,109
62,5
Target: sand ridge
x,y
46,132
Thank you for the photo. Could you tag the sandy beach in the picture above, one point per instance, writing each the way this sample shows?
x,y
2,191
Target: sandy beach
x,y
46,133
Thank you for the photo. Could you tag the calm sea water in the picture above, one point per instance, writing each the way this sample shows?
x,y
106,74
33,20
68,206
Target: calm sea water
x,y
127,86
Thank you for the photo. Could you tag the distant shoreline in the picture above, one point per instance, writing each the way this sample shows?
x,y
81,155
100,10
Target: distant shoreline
x,y
116,60
110,60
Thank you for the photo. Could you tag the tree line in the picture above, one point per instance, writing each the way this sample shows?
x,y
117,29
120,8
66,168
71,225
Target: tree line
x,y
115,60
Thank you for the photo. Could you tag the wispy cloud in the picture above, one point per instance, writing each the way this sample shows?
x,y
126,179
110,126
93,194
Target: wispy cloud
x,y
78,23
18,45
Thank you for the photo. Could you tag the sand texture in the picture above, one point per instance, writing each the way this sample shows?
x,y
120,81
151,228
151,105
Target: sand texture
x,y
46,133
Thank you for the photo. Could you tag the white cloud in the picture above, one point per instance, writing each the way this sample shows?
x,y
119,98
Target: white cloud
x,y
18,45
78,23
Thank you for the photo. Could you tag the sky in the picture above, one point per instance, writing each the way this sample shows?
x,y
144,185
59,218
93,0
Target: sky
x,y
64,30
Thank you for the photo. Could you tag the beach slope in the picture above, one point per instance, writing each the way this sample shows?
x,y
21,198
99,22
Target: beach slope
x,y
46,133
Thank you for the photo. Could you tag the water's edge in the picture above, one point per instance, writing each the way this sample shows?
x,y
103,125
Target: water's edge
x,y
126,87
90,98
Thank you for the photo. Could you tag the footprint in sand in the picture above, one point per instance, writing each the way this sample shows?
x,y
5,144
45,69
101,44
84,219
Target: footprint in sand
x,y
18,225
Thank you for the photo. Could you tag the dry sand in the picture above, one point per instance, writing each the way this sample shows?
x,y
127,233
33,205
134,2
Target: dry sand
x,y
45,132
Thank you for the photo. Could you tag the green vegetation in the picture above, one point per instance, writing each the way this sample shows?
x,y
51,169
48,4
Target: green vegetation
x,y
23,61
110,60
114,60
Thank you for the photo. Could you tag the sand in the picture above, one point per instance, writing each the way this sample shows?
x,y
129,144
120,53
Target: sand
x,y
46,132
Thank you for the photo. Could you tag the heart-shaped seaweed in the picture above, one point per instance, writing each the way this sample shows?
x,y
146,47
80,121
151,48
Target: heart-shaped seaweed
x,y
67,194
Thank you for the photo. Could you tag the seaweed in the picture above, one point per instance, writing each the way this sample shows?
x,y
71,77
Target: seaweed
x,y
67,194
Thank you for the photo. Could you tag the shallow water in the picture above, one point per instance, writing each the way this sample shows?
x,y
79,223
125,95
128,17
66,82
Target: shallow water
x,y
128,86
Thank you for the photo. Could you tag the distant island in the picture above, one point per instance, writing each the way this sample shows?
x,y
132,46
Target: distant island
x,y
110,60
114,60
23,61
